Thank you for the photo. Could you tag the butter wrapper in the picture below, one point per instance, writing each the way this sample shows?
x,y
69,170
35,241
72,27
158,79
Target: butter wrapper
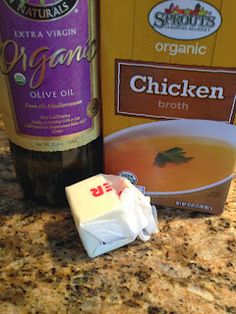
x,y
110,212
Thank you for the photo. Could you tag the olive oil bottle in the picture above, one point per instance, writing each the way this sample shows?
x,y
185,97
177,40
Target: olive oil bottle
x,y
49,93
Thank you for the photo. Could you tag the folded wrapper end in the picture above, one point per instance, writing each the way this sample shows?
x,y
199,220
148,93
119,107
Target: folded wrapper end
x,y
95,247
112,218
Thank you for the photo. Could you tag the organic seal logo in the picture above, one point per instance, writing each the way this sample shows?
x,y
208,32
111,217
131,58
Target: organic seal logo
x,y
185,19
42,10
129,175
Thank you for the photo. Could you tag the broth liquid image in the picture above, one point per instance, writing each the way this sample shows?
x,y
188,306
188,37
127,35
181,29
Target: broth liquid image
x,y
49,93
171,164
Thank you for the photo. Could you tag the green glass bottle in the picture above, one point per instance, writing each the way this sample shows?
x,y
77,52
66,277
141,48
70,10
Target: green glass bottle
x,y
49,95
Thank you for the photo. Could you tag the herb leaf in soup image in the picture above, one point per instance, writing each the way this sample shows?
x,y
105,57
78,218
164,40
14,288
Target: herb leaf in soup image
x,y
175,155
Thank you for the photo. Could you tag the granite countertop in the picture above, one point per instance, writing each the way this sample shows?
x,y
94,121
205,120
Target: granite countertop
x,y
189,267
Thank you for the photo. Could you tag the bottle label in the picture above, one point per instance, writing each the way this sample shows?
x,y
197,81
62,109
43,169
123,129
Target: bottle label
x,y
48,55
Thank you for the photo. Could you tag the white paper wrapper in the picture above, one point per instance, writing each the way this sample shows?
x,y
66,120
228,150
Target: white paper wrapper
x,y
130,216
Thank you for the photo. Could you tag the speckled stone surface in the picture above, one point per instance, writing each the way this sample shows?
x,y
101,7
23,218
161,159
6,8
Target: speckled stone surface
x,y
189,267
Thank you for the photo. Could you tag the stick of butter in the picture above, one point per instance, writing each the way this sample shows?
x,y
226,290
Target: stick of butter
x,y
110,212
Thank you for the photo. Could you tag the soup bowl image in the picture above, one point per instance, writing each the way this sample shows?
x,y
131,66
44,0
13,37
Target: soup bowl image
x,y
173,157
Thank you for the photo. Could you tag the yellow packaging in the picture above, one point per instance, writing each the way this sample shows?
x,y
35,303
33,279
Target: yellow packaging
x,y
170,60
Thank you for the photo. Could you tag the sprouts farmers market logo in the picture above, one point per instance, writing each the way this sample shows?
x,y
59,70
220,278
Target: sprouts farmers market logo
x,y
185,19
42,10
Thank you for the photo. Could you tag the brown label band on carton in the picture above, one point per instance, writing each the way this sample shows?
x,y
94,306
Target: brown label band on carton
x,y
169,91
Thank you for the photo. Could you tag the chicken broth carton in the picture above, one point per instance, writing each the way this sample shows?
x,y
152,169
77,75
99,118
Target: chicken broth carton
x,y
168,73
